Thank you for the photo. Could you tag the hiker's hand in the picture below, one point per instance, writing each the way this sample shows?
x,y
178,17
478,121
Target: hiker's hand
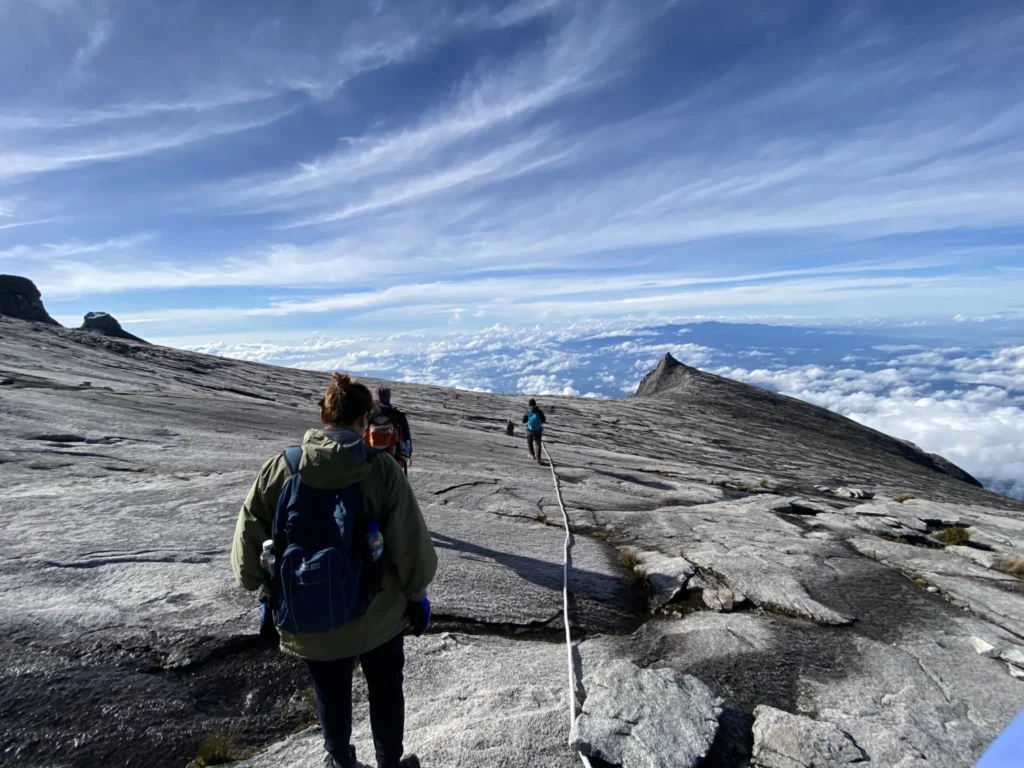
x,y
419,616
267,629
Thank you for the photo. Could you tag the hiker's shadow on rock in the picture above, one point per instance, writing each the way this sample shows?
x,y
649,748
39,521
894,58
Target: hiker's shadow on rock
x,y
582,583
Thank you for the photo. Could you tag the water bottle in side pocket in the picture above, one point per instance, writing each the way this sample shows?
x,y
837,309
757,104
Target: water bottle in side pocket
x,y
267,557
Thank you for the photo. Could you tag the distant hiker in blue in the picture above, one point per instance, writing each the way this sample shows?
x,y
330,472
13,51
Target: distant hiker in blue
x,y
332,532
534,419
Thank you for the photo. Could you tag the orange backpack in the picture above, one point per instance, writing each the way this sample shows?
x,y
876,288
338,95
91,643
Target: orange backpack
x,y
383,433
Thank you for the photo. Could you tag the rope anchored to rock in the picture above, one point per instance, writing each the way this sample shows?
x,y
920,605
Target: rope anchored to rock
x,y
573,707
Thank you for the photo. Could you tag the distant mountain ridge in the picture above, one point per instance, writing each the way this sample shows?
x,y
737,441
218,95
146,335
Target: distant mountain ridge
x,y
693,386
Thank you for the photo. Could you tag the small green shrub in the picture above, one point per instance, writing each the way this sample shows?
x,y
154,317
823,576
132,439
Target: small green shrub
x,y
954,535
217,749
542,519
905,497
764,482
602,535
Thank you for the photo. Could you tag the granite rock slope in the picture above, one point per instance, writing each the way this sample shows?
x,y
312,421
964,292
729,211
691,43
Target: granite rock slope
x,y
795,615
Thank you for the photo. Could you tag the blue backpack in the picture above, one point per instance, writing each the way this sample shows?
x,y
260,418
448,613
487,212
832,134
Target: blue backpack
x,y
534,424
324,574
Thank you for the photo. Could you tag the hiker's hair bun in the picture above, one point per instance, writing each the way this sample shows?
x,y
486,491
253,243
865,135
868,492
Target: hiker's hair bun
x,y
347,400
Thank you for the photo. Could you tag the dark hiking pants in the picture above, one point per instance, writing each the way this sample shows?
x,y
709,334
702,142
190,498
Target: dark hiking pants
x,y
332,683
535,437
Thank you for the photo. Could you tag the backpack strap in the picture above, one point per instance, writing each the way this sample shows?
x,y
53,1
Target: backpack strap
x,y
292,457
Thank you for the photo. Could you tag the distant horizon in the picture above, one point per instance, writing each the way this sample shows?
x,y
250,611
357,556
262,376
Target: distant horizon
x,y
963,401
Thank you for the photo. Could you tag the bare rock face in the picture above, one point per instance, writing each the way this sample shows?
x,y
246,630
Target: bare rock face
x,y
782,740
646,718
101,322
20,298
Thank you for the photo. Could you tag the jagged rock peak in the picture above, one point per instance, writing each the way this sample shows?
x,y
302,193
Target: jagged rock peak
x,y
20,298
670,374
101,322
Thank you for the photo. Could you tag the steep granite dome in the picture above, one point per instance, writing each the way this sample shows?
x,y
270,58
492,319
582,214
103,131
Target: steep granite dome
x,y
20,298
101,322
734,603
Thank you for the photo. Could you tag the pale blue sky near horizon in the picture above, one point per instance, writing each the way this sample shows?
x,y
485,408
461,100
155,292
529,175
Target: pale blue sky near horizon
x,y
254,168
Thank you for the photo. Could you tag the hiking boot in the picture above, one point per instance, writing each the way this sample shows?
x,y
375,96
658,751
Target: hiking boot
x,y
410,762
330,761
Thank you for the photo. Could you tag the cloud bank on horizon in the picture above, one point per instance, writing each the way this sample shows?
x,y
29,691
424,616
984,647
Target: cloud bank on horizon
x,y
963,402
252,167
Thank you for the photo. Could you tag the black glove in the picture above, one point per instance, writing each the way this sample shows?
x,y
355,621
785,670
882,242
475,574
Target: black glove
x,y
419,615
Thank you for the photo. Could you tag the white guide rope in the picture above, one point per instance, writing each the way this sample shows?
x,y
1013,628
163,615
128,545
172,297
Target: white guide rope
x,y
565,605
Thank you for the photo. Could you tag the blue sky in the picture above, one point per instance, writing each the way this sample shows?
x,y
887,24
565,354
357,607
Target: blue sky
x,y
239,169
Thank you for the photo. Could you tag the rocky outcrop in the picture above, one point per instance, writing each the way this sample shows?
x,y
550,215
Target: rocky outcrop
x,y
20,298
670,375
945,465
101,322
782,740
644,718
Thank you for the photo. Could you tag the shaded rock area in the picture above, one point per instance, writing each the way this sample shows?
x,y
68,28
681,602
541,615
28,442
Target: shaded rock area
x,y
797,623
20,299
101,322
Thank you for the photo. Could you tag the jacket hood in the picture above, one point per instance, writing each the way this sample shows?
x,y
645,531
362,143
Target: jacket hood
x,y
333,458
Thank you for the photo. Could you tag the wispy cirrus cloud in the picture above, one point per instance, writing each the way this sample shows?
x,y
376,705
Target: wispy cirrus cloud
x,y
556,159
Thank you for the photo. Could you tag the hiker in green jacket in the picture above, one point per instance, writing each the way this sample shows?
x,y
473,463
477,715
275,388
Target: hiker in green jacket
x,y
336,458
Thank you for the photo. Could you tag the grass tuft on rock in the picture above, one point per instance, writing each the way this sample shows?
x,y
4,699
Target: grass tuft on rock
x,y
217,749
1012,566
630,560
602,535
905,497
955,535
917,579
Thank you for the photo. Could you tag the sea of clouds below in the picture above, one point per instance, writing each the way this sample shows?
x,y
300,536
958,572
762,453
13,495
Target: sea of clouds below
x,y
966,404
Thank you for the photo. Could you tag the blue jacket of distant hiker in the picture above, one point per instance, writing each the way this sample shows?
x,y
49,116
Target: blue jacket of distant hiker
x,y
534,409
331,459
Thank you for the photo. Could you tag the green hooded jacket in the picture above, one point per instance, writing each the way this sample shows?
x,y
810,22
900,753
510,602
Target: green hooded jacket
x,y
337,458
